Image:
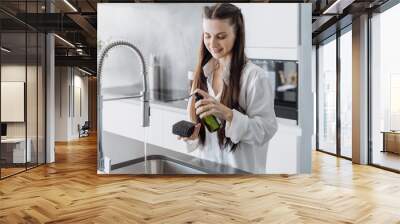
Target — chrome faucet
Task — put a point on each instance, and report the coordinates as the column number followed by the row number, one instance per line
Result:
column 144, row 94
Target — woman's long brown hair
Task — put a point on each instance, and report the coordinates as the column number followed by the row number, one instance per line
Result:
column 230, row 96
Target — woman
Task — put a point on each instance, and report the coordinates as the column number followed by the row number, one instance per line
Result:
column 235, row 91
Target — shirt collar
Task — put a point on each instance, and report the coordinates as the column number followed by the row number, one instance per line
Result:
column 209, row 68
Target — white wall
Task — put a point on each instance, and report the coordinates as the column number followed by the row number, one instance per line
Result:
column 174, row 39
column 79, row 117
column 61, row 103
column 12, row 73
column 67, row 116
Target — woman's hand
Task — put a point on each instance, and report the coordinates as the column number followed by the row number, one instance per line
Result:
column 194, row 135
column 209, row 106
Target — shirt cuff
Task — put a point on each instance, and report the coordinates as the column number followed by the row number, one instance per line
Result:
column 237, row 127
column 192, row 145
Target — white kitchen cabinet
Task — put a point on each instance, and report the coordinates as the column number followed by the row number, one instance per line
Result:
column 123, row 118
column 275, row 38
column 170, row 140
column 281, row 31
column 155, row 133
column 282, row 149
column 160, row 131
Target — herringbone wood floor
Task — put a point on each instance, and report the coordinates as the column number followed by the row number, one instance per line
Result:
column 69, row 191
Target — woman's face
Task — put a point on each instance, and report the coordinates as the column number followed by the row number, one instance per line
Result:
column 219, row 37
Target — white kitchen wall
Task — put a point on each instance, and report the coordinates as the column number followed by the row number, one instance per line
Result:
column 172, row 35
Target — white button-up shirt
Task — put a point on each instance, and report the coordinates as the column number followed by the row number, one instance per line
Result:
column 251, row 131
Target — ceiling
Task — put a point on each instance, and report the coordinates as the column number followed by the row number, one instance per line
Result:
column 76, row 22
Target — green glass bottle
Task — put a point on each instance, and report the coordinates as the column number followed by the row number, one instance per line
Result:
column 209, row 121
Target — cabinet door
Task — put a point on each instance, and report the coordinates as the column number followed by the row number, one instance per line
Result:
column 264, row 32
column 268, row 38
column 155, row 132
column 283, row 147
column 123, row 118
column 170, row 140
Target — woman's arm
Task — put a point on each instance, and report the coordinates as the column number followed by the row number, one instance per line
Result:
column 259, row 123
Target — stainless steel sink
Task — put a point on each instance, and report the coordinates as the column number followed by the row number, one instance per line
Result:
column 155, row 164
column 161, row 160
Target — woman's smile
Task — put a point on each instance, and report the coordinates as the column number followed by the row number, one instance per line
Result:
column 217, row 50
